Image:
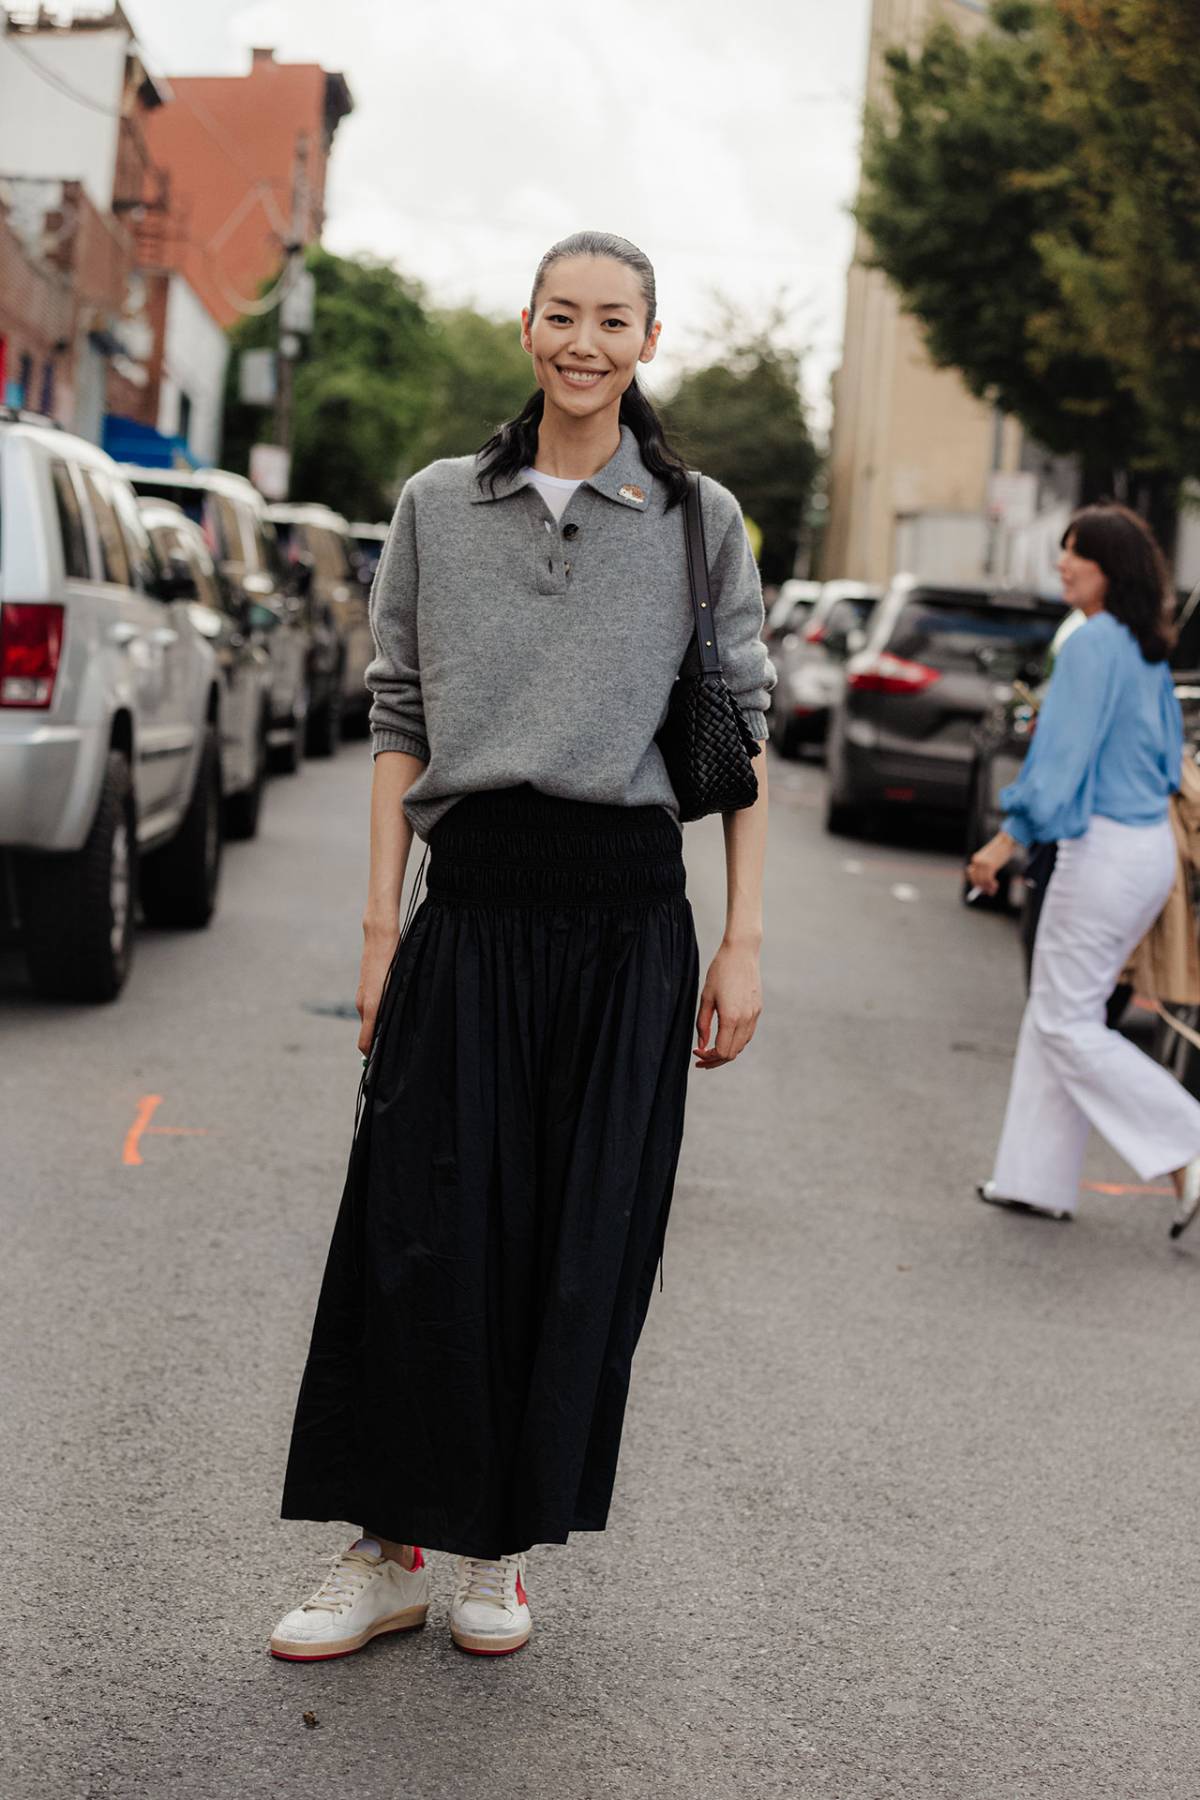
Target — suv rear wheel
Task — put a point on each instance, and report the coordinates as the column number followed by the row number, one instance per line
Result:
column 179, row 882
column 77, row 909
column 242, row 810
column 325, row 724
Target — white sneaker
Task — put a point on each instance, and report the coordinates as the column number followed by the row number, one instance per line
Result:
column 490, row 1614
column 1188, row 1204
column 363, row 1596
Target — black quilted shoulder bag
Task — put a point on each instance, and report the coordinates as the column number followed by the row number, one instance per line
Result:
column 704, row 739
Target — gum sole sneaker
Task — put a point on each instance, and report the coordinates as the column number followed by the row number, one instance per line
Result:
column 490, row 1614
column 363, row 1596
column 986, row 1191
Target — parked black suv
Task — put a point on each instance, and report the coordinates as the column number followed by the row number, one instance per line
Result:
column 937, row 658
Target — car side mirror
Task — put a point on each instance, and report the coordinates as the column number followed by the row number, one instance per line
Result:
column 257, row 586
column 856, row 640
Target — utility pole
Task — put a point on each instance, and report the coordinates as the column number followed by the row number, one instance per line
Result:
column 288, row 341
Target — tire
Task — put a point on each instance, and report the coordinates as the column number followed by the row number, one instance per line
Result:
column 842, row 820
column 325, row 725
column 243, row 810
column 77, row 909
column 285, row 759
column 179, row 882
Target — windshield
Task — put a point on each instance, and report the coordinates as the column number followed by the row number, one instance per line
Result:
column 962, row 634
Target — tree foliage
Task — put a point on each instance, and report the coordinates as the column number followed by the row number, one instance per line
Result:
column 362, row 387
column 741, row 419
column 1125, row 81
column 1035, row 196
column 480, row 377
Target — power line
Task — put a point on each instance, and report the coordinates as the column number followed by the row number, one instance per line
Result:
column 56, row 81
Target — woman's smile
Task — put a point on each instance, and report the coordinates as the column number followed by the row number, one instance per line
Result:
column 581, row 378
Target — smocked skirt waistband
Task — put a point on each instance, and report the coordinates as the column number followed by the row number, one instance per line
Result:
column 516, row 846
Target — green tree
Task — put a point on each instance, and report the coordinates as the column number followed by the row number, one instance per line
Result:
column 481, row 377
column 363, row 388
column 742, row 420
column 969, row 174
column 1124, row 81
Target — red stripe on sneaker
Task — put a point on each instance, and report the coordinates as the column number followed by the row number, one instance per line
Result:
column 521, row 1600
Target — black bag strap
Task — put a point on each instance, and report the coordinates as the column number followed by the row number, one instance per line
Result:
column 703, row 651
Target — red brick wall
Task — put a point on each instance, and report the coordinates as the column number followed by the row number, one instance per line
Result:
column 227, row 144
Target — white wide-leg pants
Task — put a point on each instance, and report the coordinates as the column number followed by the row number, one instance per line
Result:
column 1071, row 1072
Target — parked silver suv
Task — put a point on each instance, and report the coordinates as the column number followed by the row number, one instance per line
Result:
column 110, row 781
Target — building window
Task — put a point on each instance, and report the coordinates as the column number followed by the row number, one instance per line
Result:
column 46, row 400
column 185, row 418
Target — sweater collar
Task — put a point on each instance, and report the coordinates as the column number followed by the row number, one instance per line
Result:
column 624, row 478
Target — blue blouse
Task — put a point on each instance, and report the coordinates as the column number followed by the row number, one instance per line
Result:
column 1109, row 740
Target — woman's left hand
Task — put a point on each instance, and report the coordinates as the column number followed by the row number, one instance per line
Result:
column 733, row 991
column 985, row 867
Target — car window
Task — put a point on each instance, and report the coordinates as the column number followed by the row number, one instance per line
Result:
column 333, row 549
column 963, row 635
column 137, row 541
column 114, row 559
column 230, row 547
column 76, row 563
column 275, row 562
column 847, row 615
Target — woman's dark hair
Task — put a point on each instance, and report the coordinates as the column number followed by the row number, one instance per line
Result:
column 1139, row 583
column 514, row 446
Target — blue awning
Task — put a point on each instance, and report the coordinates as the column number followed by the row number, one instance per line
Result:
column 127, row 441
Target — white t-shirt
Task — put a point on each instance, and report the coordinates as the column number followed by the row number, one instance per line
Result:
column 555, row 490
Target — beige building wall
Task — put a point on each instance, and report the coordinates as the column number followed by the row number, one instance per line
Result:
column 907, row 438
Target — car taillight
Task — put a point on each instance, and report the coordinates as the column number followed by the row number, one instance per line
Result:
column 886, row 674
column 30, row 646
column 814, row 634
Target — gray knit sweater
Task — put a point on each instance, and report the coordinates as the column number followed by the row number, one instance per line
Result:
column 513, row 649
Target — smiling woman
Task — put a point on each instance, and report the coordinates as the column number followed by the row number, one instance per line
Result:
column 528, row 1037
column 587, row 340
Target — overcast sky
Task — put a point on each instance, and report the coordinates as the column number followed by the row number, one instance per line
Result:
column 721, row 135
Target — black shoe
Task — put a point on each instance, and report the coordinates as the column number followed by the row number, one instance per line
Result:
column 987, row 1193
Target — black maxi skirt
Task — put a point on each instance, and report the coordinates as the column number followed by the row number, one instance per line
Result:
column 509, row 1184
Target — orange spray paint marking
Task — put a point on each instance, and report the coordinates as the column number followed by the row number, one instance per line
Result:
column 141, row 1127
column 1119, row 1187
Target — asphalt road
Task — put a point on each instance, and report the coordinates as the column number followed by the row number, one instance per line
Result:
column 908, row 1493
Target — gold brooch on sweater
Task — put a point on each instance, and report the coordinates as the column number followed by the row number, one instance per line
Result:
column 631, row 492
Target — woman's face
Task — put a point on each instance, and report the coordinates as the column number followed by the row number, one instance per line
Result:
column 1085, row 584
column 588, row 334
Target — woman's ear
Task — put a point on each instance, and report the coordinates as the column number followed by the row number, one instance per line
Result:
column 650, row 347
column 526, row 322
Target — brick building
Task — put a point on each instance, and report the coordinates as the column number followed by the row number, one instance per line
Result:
column 243, row 154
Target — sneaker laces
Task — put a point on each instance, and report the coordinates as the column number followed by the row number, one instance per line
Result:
column 348, row 1575
column 492, row 1582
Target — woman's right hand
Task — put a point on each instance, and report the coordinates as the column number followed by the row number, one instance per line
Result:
column 378, row 951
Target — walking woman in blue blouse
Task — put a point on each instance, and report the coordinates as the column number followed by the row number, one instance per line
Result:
column 1104, row 762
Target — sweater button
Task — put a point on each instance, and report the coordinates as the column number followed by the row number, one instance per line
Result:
column 570, row 531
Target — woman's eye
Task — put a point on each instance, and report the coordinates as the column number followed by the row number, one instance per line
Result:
column 619, row 322
column 558, row 318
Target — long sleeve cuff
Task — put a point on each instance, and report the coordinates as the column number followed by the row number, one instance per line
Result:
column 757, row 723
column 399, row 740
column 1016, row 828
